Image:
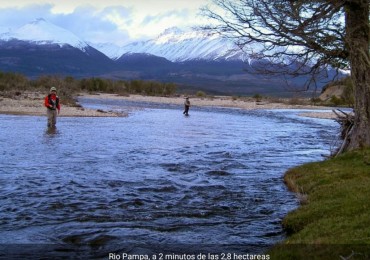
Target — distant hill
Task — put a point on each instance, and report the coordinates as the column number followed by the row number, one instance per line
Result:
column 34, row 60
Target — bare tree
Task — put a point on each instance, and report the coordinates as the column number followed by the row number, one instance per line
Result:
column 304, row 37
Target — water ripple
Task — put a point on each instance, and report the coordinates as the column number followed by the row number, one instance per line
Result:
column 154, row 177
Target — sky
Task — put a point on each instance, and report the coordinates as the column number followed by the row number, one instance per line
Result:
column 100, row 21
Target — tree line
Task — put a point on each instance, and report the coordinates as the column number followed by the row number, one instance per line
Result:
column 69, row 86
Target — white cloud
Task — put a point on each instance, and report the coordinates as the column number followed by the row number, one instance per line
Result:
column 117, row 21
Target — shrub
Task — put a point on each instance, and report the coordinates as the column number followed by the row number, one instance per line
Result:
column 201, row 94
column 334, row 100
column 68, row 86
column 315, row 100
column 347, row 95
column 257, row 97
column 12, row 81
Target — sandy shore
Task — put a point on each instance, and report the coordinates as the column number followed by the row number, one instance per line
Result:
column 248, row 104
column 32, row 104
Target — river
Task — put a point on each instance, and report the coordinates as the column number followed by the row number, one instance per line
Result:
column 155, row 180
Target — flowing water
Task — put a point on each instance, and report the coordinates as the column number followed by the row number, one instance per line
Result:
column 154, row 180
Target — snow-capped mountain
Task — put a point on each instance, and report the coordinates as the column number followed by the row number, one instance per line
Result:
column 42, row 32
column 173, row 44
column 177, row 45
column 111, row 50
column 190, row 58
column 41, row 47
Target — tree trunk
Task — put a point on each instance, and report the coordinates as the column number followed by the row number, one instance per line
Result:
column 357, row 40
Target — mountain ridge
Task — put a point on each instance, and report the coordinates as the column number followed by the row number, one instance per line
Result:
column 193, row 59
column 177, row 45
column 43, row 32
column 173, row 43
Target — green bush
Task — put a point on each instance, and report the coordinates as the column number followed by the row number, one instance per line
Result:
column 315, row 100
column 69, row 86
column 257, row 97
column 201, row 94
column 335, row 101
column 347, row 98
column 169, row 89
column 151, row 88
column 12, row 81
column 347, row 95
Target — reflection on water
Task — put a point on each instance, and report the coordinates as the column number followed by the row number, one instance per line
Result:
column 51, row 131
column 154, row 180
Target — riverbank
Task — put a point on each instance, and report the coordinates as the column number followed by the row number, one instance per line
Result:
column 31, row 103
column 333, row 219
column 222, row 101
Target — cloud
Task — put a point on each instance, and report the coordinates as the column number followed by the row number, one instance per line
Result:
column 86, row 22
column 174, row 14
column 15, row 17
column 93, row 25
column 115, row 21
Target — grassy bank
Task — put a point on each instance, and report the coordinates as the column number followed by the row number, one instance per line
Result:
column 334, row 217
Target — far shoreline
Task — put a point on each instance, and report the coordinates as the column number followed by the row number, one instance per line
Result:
column 220, row 101
column 31, row 104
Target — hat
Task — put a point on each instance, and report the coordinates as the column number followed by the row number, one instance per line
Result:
column 53, row 89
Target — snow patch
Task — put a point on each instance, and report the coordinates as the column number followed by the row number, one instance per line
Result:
column 41, row 32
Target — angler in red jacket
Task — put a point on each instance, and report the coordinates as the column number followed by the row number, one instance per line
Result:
column 53, row 107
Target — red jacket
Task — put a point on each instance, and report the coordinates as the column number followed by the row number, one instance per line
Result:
column 52, row 102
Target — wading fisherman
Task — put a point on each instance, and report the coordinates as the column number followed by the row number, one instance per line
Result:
column 53, row 106
column 187, row 106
